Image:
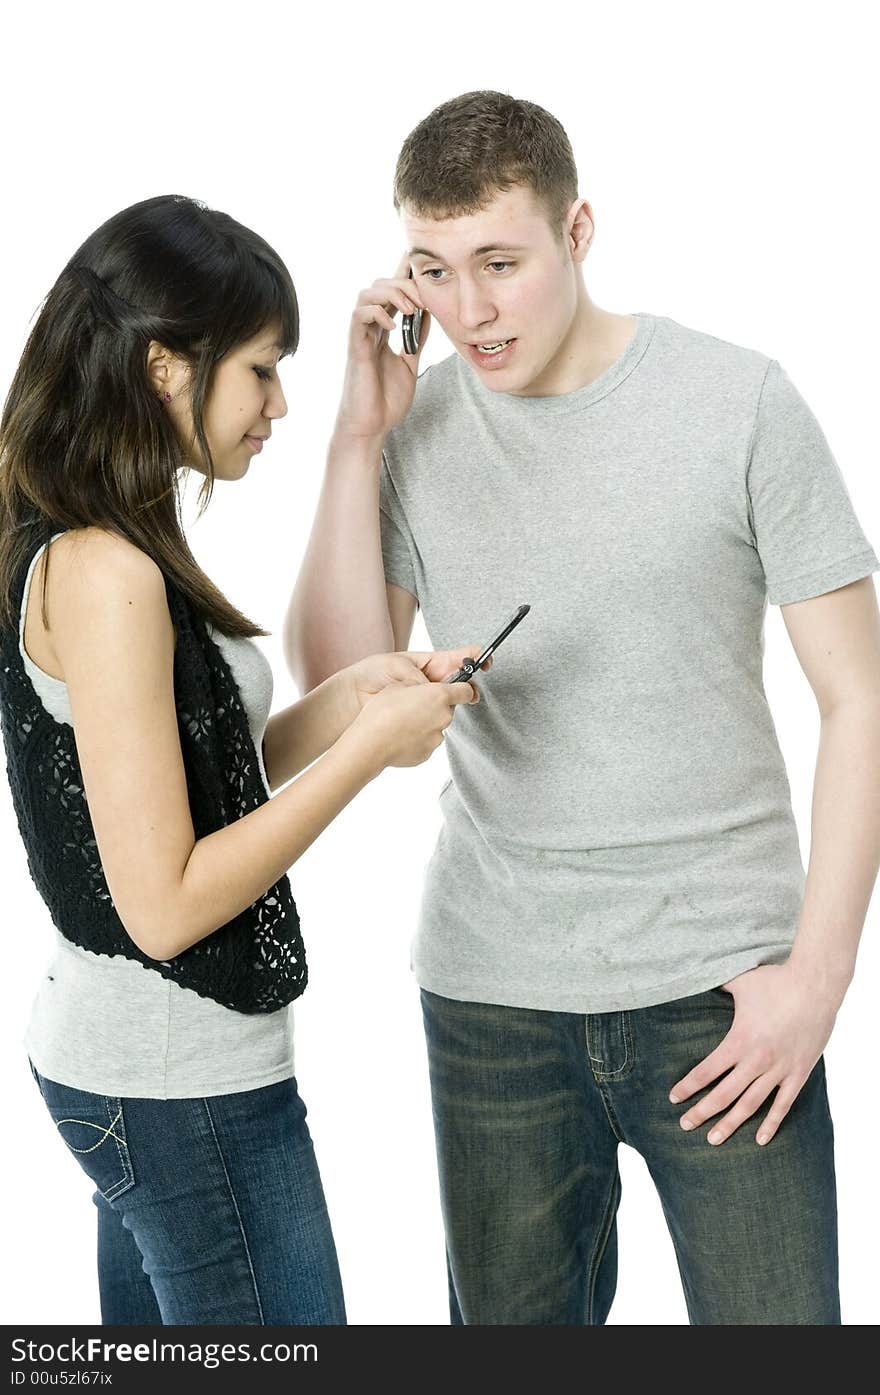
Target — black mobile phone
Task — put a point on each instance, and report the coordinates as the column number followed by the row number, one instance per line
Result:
column 469, row 666
column 411, row 326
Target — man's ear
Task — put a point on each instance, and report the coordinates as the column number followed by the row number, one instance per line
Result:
column 579, row 229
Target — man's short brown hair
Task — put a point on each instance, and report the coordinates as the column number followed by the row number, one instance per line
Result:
column 481, row 144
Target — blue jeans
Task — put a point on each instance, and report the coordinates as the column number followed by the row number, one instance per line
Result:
column 529, row 1110
column 210, row 1210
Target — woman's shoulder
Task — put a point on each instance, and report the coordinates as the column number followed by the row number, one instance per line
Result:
column 95, row 555
column 105, row 595
column 97, row 568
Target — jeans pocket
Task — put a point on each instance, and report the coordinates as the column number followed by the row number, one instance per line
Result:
column 93, row 1129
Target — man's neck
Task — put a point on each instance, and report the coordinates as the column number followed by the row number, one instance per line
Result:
column 597, row 338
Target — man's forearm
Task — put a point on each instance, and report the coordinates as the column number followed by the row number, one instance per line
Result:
column 338, row 612
column 844, row 846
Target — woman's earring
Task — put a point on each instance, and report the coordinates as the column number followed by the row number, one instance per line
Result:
column 166, row 396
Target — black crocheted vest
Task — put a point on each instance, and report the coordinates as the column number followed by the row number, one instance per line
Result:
column 255, row 963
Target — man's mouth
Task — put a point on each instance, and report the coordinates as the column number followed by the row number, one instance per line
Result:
column 494, row 348
column 493, row 354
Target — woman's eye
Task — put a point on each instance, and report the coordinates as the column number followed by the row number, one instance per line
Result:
column 263, row 373
column 433, row 273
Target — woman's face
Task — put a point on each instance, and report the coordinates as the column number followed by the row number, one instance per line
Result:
column 244, row 398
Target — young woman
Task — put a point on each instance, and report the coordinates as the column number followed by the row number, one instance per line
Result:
column 141, row 756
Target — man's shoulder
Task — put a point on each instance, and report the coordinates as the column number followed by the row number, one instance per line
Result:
column 698, row 352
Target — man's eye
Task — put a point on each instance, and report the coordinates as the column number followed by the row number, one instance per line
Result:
column 263, row 373
column 502, row 265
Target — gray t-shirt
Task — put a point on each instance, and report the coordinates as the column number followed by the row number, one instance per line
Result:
column 112, row 1026
column 618, row 827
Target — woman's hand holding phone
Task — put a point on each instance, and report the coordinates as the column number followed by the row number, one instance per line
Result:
column 405, row 722
column 379, row 384
column 369, row 676
column 401, row 707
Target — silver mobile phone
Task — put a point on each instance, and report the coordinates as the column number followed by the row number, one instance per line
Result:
column 411, row 325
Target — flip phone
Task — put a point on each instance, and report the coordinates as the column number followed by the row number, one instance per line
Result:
column 411, row 325
column 470, row 666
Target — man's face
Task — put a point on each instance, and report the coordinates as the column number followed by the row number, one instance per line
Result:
column 499, row 276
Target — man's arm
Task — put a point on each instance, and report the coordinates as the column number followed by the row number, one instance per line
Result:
column 402, row 607
column 340, row 610
column 784, row 1013
column 836, row 637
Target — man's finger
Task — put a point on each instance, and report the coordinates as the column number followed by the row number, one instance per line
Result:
column 785, row 1098
column 725, row 1093
column 753, row 1098
column 708, row 1070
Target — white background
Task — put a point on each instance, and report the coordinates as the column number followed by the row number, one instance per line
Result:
column 728, row 151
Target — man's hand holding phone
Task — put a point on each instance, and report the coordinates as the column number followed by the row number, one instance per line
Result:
column 379, row 384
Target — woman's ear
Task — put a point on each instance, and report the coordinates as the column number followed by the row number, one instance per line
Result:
column 159, row 369
column 166, row 371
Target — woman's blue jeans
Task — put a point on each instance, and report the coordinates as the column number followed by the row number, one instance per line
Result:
column 210, row 1210
column 530, row 1108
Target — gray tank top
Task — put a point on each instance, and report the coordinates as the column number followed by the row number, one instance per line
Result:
column 111, row 1026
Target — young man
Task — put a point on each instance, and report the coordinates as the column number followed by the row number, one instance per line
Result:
column 649, row 958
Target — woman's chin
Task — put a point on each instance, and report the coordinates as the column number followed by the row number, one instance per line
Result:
column 234, row 469
column 231, row 469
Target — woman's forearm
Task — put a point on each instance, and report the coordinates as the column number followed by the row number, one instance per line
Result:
column 229, row 870
column 299, row 734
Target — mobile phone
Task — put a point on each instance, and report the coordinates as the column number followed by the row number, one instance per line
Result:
column 412, row 328
column 469, row 666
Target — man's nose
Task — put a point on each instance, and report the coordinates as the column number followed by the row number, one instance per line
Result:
column 475, row 308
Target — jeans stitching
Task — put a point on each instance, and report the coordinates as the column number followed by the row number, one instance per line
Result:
column 627, row 1047
column 602, row 1243
column 237, row 1212
column 127, row 1179
column 87, row 1124
column 110, row 1103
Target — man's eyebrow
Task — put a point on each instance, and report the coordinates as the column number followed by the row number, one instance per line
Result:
column 477, row 252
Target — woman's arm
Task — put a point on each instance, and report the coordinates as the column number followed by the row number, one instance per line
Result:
column 114, row 638
column 297, row 735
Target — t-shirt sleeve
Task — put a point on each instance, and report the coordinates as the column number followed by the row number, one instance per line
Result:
column 396, row 546
column 804, row 526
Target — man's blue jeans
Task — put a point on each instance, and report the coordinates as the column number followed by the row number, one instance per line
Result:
column 529, row 1109
column 210, row 1210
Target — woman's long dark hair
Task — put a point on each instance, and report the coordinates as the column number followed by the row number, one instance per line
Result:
column 84, row 440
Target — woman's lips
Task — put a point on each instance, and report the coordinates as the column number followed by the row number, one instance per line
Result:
column 256, row 443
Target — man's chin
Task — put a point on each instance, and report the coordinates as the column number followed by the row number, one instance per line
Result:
column 495, row 379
